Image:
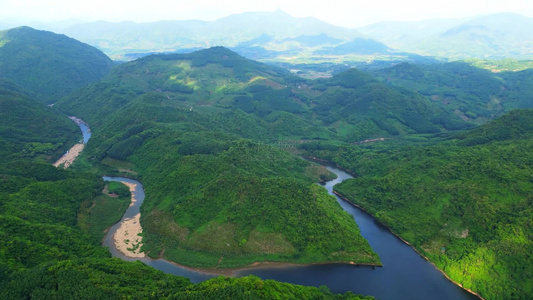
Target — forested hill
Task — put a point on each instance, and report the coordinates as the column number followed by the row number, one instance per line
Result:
column 52, row 222
column 30, row 130
column 466, row 203
column 473, row 93
column 219, row 191
column 217, row 81
column 48, row 64
column 357, row 106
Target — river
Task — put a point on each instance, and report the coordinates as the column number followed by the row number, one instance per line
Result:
column 404, row 275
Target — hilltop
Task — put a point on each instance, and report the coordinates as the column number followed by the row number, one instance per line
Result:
column 47, row 64
column 198, row 129
column 219, row 82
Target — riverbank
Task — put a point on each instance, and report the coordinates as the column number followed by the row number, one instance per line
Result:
column 404, row 272
column 68, row 158
column 128, row 238
column 409, row 244
column 235, row 272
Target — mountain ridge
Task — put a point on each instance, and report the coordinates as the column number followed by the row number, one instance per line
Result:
column 48, row 64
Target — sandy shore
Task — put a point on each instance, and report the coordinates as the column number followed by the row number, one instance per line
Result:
column 68, row 158
column 126, row 238
column 132, row 187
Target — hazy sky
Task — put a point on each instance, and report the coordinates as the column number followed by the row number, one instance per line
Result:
column 348, row 13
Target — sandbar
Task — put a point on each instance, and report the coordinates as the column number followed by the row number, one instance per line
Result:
column 127, row 239
column 68, row 158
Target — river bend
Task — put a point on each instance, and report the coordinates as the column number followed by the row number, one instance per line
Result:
column 404, row 275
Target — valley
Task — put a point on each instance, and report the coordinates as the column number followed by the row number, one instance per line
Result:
column 210, row 144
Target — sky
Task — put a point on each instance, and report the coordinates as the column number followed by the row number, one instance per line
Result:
column 347, row 13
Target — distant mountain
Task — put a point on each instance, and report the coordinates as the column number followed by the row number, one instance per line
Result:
column 315, row 40
column 399, row 34
column 48, row 64
column 357, row 46
column 493, row 36
column 278, row 24
column 167, row 36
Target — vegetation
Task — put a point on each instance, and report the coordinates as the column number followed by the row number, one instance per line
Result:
column 28, row 129
column 214, row 199
column 226, row 86
column 116, row 279
column 46, row 213
column 465, row 203
column 474, row 94
column 248, row 203
column 359, row 107
column 49, row 65
column 97, row 215
column 213, row 135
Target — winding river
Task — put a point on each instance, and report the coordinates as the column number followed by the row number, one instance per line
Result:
column 404, row 275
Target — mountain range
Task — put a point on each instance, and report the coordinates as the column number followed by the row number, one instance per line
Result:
column 497, row 36
column 205, row 132
column 282, row 37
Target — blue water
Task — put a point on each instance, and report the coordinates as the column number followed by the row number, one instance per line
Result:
column 85, row 131
column 159, row 264
column 404, row 275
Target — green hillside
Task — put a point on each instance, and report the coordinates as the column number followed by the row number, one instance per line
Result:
column 241, row 203
column 217, row 81
column 29, row 129
column 358, row 107
column 48, row 64
column 45, row 254
column 214, row 138
column 211, row 194
column 51, row 244
column 465, row 203
column 474, row 94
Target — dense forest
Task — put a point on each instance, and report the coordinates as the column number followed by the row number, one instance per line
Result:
column 215, row 139
column 465, row 202
column 475, row 94
column 52, row 222
column 219, row 193
column 47, row 64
